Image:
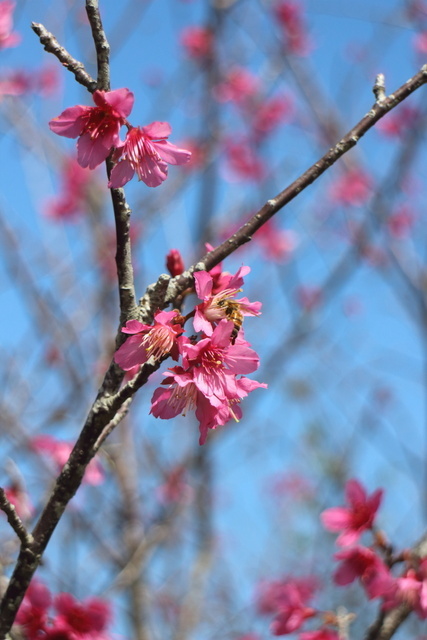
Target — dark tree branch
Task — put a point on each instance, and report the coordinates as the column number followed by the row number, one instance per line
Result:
column 101, row 45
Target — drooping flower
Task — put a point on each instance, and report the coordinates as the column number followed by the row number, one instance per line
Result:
column 147, row 153
column 357, row 517
column 147, row 341
column 97, row 128
column 8, row 37
column 182, row 395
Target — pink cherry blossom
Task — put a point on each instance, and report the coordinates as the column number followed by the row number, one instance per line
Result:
column 278, row 244
column 351, row 188
column 363, row 563
column 357, row 517
column 72, row 199
column 8, row 38
column 401, row 222
column 147, row 341
column 175, row 263
column 147, row 153
column 238, row 86
column 213, row 359
column 183, row 395
column 175, row 489
column 83, row 618
column 197, row 41
column 97, row 128
column 59, row 452
column 33, row 612
column 214, row 306
column 289, row 600
column 289, row 15
column 243, row 162
column 270, row 114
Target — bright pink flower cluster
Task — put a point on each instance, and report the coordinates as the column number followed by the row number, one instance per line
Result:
column 211, row 379
column 73, row 620
column 365, row 564
column 145, row 150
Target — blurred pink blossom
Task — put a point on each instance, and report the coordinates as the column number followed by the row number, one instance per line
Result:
column 59, row 452
column 197, row 41
column 272, row 113
column 351, row 188
column 238, row 86
column 278, row 244
column 355, row 518
column 289, row 15
column 401, row 222
column 363, row 563
column 8, row 38
column 243, row 162
column 20, row 500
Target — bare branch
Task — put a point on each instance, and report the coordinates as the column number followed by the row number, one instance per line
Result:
column 51, row 45
column 14, row 520
column 101, row 45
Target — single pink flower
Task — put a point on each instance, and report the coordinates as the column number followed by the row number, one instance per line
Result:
column 278, row 244
column 147, row 341
column 197, row 42
column 72, row 199
column 238, row 86
column 8, row 38
column 213, row 359
column 357, row 517
column 363, row 563
column 147, row 153
column 97, row 128
column 352, row 188
column 272, row 113
column 309, row 297
column 59, row 452
column 175, row 263
column 175, row 489
column 289, row 599
column 33, row 612
column 84, row 618
column 401, row 222
column 243, row 162
column 289, row 15
column 221, row 305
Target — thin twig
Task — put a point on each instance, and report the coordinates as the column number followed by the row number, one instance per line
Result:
column 51, row 45
column 101, row 45
column 14, row 520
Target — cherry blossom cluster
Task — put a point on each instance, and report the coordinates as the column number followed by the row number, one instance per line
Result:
column 144, row 151
column 290, row 599
column 372, row 565
column 211, row 377
column 70, row 619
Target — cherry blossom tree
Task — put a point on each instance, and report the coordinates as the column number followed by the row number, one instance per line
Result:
column 277, row 369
